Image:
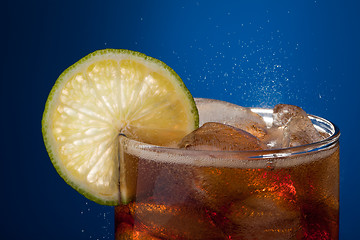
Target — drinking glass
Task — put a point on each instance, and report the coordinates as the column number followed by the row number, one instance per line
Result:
column 289, row 193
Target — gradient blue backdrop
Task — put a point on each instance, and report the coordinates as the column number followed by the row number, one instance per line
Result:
column 253, row 53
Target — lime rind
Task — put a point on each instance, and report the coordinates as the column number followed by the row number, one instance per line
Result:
column 52, row 102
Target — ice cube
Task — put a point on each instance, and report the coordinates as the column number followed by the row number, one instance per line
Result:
column 292, row 127
column 282, row 113
column 300, row 131
column 175, row 222
column 274, row 138
column 212, row 186
column 220, row 137
column 263, row 216
column 231, row 114
column 216, row 187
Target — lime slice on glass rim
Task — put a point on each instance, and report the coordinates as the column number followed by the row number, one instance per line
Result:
column 105, row 94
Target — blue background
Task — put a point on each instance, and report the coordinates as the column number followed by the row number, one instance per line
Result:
column 253, row 53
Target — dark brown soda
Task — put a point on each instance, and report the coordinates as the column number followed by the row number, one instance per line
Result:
column 282, row 201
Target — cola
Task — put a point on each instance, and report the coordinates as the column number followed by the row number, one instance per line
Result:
column 246, row 173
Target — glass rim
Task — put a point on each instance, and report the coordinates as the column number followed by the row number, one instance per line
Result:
column 253, row 154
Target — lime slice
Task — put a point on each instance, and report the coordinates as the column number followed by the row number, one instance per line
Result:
column 105, row 94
